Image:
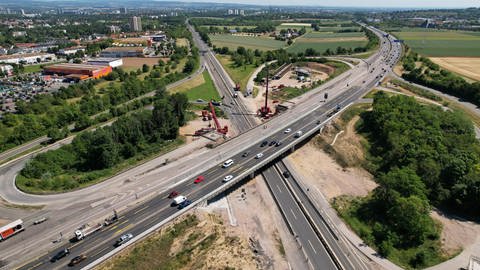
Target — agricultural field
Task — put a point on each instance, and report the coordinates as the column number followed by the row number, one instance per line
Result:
column 285, row 26
column 321, row 41
column 441, row 43
column 233, row 42
column 230, row 26
column 463, row 66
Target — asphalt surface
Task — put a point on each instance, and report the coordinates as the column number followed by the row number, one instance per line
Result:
column 158, row 209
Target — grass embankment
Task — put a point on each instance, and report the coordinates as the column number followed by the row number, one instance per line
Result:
column 85, row 179
column 200, row 87
column 238, row 74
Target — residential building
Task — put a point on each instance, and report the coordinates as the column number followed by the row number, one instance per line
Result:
column 136, row 24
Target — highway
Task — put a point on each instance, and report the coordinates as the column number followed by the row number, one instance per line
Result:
column 308, row 117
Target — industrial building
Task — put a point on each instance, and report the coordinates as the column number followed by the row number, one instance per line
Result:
column 78, row 72
column 119, row 52
column 27, row 58
column 71, row 50
column 113, row 62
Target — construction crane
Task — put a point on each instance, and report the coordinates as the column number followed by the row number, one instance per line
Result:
column 265, row 111
column 213, row 116
column 223, row 130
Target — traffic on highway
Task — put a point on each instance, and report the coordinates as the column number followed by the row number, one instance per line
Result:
column 283, row 137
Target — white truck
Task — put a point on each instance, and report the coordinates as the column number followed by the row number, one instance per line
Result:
column 86, row 231
column 178, row 200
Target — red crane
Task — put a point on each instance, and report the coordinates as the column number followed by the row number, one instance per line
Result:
column 223, row 130
column 265, row 111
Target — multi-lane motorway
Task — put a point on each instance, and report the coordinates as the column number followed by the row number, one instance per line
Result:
column 308, row 117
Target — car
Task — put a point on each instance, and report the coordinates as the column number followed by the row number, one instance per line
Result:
column 272, row 143
column 264, row 143
column 286, row 174
column 227, row 163
column 77, row 260
column 245, row 154
column 62, row 253
column 199, row 179
column 40, row 220
column 173, row 194
column 288, row 130
column 184, row 204
column 228, row 178
column 123, row 239
column 259, row 155
column 318, row 122
column 278, row 144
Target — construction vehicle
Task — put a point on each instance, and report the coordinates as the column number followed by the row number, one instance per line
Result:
column 265, row 111
column 86, row 231
column 11, row 229
column 217, row 127
column 110, row 220
column 236, row 87
column 206, row 115
column 223, row 130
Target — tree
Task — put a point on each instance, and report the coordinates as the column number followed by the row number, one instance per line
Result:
column 145, row 68
column 189, row 66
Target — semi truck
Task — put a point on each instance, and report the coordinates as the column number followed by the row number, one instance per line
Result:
column 86, row 231
column 11, row 229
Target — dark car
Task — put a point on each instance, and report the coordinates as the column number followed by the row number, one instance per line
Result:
column 172, row 194
column 184, row 204
column 278, row 144
column 77, row 260
column 245, row 154
column 62, row 253
column 286, row 174
column 272, row 143
column 264, row 143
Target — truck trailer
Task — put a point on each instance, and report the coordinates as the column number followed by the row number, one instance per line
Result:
column 82, row 233
column 11, row 229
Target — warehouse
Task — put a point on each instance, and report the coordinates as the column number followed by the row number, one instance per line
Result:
column 113, row 62
column 27, row 58
column 78, row 71
column 116, row 52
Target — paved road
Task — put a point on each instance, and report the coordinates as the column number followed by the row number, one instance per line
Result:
column 310, row 244
column 312, row 111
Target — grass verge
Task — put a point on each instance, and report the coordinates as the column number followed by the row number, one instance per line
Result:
column 238, row 74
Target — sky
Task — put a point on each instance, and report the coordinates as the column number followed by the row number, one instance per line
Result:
column 361, row 3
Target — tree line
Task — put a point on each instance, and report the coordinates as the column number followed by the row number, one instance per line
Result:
column 90, row 152
column 420, row 156
column 431, row 75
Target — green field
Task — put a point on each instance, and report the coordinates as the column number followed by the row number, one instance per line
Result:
column 334, row 35
column 238, row 74
column 205, row 91
column 441, row 43
column 230, row 26
column 298, row 27
column 301, row 46
column 233, row 42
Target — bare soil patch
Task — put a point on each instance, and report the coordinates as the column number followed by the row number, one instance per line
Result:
column 189, row 129
column 456, row 233
column 322, row 170
column 137, row 62
column 465, row 66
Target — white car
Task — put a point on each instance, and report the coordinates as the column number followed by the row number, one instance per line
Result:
column 259, row 155
column 227, row 178
column 287, row 130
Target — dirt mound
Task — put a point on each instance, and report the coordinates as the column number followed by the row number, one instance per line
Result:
column 321, row 67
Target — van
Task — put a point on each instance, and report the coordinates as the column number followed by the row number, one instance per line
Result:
column 298, row 134
column 179, row 199
column 227, row 163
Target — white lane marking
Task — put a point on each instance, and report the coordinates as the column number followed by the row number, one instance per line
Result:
column 312, row 246
column 293, row 213
column 279, row 189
